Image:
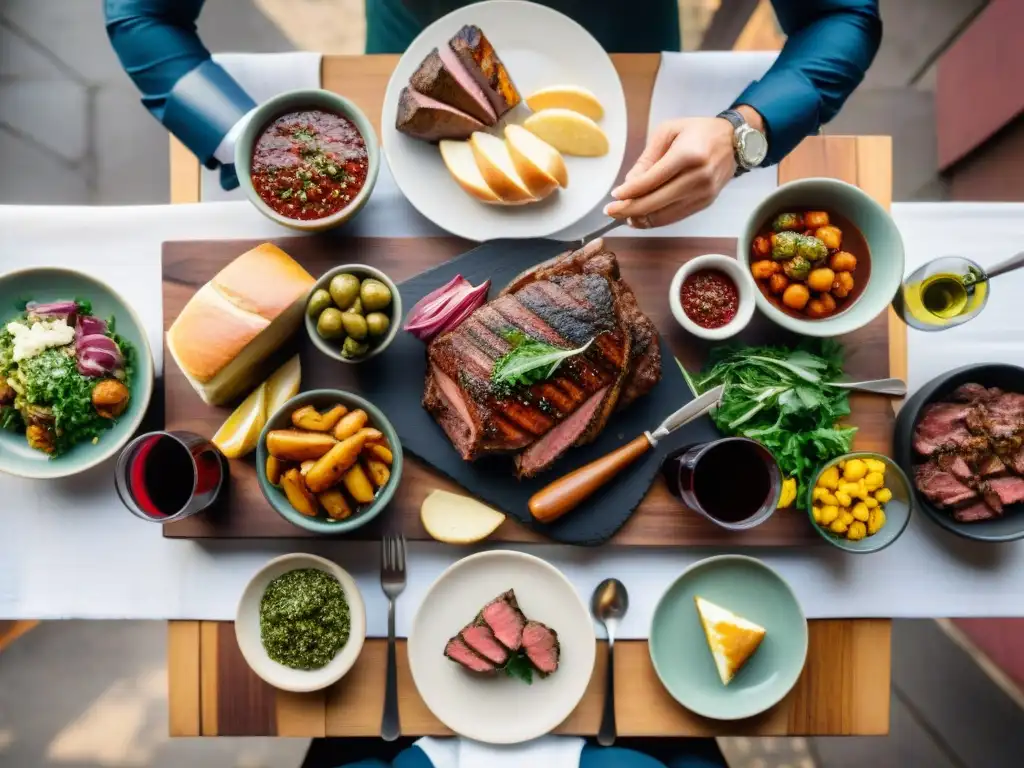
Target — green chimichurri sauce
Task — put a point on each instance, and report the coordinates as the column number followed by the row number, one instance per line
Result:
column 304, row 619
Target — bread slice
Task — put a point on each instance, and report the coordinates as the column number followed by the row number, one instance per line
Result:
column 229, row 328
column 499, row 172
column 731, row 638
column 539, row 164
column 458, row 157
column 569, row 132
column 573, row 97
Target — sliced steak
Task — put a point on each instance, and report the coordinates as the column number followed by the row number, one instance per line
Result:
column 484, row 65
column 1010, row 489
column 479, row 637
column 541, row 645
column 990, row 465
column 956, row 466
column 942, row 425
column 543, row 453
column 974, row 513
column 941, row 487
column 443, row 77
column 428, row 119
column 1005, row 415
column 972, row 393
column 1017, row 462
column 457, row 650
column 505, row 620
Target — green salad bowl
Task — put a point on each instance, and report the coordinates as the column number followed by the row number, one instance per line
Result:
column 322, row 399
column 46, row 284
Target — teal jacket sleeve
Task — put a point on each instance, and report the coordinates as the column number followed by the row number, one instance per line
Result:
column 829, row 47
column 181, row 86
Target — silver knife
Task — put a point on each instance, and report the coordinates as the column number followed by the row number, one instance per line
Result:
column 601, row 231
column 564, row 494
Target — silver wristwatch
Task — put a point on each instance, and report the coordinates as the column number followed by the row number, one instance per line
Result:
column 749, row 145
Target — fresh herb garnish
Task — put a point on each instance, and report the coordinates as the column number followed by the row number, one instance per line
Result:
column 11, row 420
column 529, row 361
column 84, row 306
column 519, row 667
column 779, row 397
column 303, row 134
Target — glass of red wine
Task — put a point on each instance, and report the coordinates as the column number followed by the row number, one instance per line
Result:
column 167, row 476
column 734, row 482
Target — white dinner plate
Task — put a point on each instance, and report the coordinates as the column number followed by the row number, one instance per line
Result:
column 540, row 47
column 496, row 708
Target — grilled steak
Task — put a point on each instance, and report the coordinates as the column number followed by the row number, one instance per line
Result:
column 942, row 425
column 443, row 76
column 423, row 117
column 565, row 302
column 503, row 617
column 541, row 645
column 941, row 487
column 1010, row 489
column 480, row 639
column 974, row 513
column 482, row 62
column 462, row 654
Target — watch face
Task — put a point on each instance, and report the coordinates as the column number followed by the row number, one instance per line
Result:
column 753, row 148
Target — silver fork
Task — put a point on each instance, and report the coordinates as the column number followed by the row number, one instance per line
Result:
column 392, row 581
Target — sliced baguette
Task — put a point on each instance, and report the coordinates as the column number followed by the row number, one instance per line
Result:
column 499, row 172
column 462, row 165
column 572, row 97
column 569, row 132
column 539, row 164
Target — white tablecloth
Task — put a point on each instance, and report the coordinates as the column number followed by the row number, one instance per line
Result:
column 68, row 548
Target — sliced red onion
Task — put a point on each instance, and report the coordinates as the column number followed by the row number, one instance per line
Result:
column 96, row 340
column 88, row 367
column 108, row 360
column 445, row 308
column 52, row 309
column 89, row 325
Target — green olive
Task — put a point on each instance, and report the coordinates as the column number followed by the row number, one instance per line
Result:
column 375, row 295
column 355, row 325
column 377, row 324
column 331, row 323
column 357, row 307
column 352, row 348
column 344, row 289
column 318, row 302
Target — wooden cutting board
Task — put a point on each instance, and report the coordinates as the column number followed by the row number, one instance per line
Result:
column 647, row 264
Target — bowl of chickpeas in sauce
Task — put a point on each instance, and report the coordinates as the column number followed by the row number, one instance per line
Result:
column 826, row 258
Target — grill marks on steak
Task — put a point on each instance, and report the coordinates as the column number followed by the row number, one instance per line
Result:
column 973, row 446
column 565, row 302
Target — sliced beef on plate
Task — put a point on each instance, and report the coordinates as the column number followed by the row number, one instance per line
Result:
column 442, row 76
column 973, row 513
column 990, row 465
column 548, row 448
column 428, row 119
column 941, row 425
column 973, row 393
column 1016, row 461
column 1010, row 489
column 541, row 645
column 482, row 62
column 457, row 650
column 941, row 487
column 505, row 620
column 991, row 498
column 479, row 637
column 956, row 466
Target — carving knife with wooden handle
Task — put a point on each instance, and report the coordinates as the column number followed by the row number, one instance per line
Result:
column 566, row 493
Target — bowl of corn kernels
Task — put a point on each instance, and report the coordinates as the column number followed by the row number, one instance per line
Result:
column 860, row 502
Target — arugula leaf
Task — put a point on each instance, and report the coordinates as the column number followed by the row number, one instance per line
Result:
column 529, row 361
column 10, row 419
column 519, row 667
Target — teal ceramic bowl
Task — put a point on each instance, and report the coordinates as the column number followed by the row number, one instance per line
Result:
column 292, row 101
column 322, row 399
column 873, row 221
column 897, row 509
column 679, row 649
column 46, row 284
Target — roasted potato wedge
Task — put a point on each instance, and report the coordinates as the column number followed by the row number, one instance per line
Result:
column 307, row 465
column 350, row 424
column 378, row 471
column 274, row 470
column 358, row 484
column 378, row 452
column 332, row 465
column 298, row 495
column 334, row 501
column 371, row 435
column 298, row 446
column 310, row 419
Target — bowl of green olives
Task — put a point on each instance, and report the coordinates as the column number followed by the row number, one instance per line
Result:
column 353, row 312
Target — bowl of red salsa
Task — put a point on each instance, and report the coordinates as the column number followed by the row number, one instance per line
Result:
column 712, row 296
column 308, row 159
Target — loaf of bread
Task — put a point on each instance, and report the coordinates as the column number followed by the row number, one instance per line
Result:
column 237, row 320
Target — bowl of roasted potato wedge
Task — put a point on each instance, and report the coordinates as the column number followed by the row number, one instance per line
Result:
column 328, row 461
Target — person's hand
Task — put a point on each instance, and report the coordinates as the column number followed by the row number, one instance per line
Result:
column 685, row 165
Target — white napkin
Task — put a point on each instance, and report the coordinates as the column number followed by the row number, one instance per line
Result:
column 262, row 76
column 547, row 751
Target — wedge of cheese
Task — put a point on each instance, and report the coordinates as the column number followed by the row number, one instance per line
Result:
column 731, row 638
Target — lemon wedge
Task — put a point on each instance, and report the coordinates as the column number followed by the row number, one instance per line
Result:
column 240, row 433
column 283, row 385
column 456, row 519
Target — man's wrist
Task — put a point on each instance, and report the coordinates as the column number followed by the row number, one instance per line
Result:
column 752, row 116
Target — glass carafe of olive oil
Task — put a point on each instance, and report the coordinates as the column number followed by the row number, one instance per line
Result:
column 942, row 294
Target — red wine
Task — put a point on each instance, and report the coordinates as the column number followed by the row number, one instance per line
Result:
column 162, row 476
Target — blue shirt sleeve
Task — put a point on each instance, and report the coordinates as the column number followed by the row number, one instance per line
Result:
column 829, row 47
column 181, row 86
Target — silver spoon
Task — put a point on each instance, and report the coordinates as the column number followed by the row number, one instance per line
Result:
column 609, row 604
column 892, row 387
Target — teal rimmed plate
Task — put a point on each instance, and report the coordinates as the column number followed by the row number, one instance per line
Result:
column 45, row 284
column 680, row 651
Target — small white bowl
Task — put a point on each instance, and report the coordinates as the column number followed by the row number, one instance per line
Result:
column 744, row 285
column 247, row 627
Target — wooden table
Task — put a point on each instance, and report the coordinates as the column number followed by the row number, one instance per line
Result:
column 844, row 689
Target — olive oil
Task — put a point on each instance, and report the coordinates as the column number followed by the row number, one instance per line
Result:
column 941, row 300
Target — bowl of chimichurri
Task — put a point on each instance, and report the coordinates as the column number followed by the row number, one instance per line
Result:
column 301, row 622
column 307, row 159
